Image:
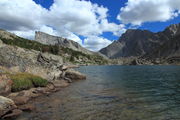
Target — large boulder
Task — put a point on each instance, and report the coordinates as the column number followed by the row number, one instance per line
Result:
column 24, row 96
column 6, row 105
column 74, row 75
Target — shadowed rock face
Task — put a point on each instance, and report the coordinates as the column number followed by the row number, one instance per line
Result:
column 170, row 49
column 140, row 42
column 47, row 39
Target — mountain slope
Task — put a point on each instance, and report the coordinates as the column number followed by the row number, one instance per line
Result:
column 69, row 55
column 135, row 43
column 169, row 49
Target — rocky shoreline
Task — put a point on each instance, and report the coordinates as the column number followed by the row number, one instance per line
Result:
column 16, row 61
column 12, row 104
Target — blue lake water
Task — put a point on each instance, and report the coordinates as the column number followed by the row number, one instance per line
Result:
column 115, row 93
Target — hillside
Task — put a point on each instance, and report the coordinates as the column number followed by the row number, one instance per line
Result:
column 69, row 55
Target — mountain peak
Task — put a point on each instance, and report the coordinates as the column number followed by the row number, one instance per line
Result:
column 136, row 42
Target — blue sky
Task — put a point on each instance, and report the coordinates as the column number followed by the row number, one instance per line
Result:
column 94, row 24
column 114, row 8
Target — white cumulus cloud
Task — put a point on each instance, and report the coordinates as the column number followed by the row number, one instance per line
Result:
column 20, row 15
column 66, row 18
column 96, row 43
column 137, row 12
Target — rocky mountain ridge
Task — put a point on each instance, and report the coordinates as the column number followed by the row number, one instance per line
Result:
column 145, row 44
column 47, row 39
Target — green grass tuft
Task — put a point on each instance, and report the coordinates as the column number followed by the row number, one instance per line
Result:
column 24, row 81
column 21, row 82
column 38, row 81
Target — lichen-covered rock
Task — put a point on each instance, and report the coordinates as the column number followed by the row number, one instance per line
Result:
column 6, row 105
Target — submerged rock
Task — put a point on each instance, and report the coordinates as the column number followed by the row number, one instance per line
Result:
column 27, row 107
column 60, row 83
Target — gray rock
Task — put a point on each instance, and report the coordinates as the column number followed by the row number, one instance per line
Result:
column 6, row 105
column 24, row 60
column 47, row 39
column 74, row 75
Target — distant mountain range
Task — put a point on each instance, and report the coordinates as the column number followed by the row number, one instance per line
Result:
column 145, row 44
column 134, row 47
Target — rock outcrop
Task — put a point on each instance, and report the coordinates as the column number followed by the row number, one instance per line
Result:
column 31, row 61
column 138, row 43
column 47, row 39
